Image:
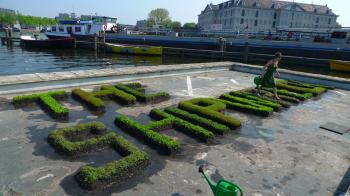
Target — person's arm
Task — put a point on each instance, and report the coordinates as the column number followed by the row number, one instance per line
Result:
column 265, row 68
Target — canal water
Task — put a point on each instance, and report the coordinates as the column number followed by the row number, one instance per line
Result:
column 17, row 60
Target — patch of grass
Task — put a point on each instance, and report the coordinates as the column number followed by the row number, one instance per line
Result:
column 306, row 85
column 244, row 105
column 61, row 139
column 55, row 109
column 142, row 97
column 186, row 127
column 197, row 120
column 119, row 96
column 258, row 100
column 316, row 91
column 284, row 92
column 88, row 99
column 116, row 172
column 268, row 97
column 162, row 143
column 47, row 101
column 210, row 108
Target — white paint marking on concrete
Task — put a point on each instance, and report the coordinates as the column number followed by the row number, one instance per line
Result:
column 4, row 139
column 44, row 177
column 189, row 86
column 201, row 156
column 340, row 93
column 234, row 82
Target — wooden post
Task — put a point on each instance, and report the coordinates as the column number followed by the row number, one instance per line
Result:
column 246, row 52
column 10, row 36
column 6, row 36
column 95, row 42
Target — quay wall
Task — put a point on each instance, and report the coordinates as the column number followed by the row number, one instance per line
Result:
column 289, row 48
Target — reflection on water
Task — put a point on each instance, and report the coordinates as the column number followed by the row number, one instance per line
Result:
column 17, row 60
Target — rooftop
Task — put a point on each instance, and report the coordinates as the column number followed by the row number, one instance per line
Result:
column 273, row 4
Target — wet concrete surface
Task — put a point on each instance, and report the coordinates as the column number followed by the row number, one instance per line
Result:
column 284, row 154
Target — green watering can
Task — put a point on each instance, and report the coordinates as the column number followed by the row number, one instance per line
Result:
column 258, row 80
column 223, row 187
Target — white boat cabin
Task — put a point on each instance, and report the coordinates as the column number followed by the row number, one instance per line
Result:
column 83, row 28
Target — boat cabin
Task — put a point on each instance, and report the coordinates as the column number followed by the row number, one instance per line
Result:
column 68, row 28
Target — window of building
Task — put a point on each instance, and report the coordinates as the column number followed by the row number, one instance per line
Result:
column 77, row 29
column 274, row 15
column 256, row 14
column 225, row 22
column 231, row 12
column 242, row 21
column 61, row 29
column 243, row 12
column 329, row 21
column 230, row 21
column 256, row 23
column 317, row 20
column 53, row 29
column 274, row 24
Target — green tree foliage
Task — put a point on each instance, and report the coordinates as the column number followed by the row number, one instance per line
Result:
column 190, row 25
column 159, row 15
column 7, row 18
column 12, row 18
column 176, row 24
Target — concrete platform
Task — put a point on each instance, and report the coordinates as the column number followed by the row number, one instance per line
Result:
column 285, row 154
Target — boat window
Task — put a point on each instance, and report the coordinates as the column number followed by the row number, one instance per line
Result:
column 339, row 35
column 69, row 29
column 53, row 28
column 77, row 29
column 61, row 29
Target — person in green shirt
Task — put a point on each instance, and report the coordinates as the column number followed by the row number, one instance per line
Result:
column 267, row 77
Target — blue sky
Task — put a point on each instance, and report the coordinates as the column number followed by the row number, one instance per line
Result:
column 128, row 11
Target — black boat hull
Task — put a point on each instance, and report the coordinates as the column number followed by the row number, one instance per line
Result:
column 61, row 43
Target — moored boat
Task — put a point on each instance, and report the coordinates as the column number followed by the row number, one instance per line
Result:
column 60, row 43
column 337, row 65
column 135, row 50
column 82, row 30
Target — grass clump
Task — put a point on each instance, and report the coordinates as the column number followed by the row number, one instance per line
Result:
column 286, row 93
column 258, row 100
column 306, row 85
column 142, row 97
column 47, row 101
column 210, row 108
column 162, row 143
column 316, row 91
column 197, row 120
column 88, row 99
column 244, row 105
column 116, row 172
column 186, row 127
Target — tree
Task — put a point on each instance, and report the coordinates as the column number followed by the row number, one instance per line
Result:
column 159, row 16
column 190, row 25
column 338, row 25
column 176, row 24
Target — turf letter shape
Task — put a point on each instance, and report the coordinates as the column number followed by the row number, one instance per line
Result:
column 94, row 99
column 47, row 101
column 210, row 108
column 83, row 138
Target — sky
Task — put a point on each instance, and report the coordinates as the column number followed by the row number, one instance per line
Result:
column 129, row 11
